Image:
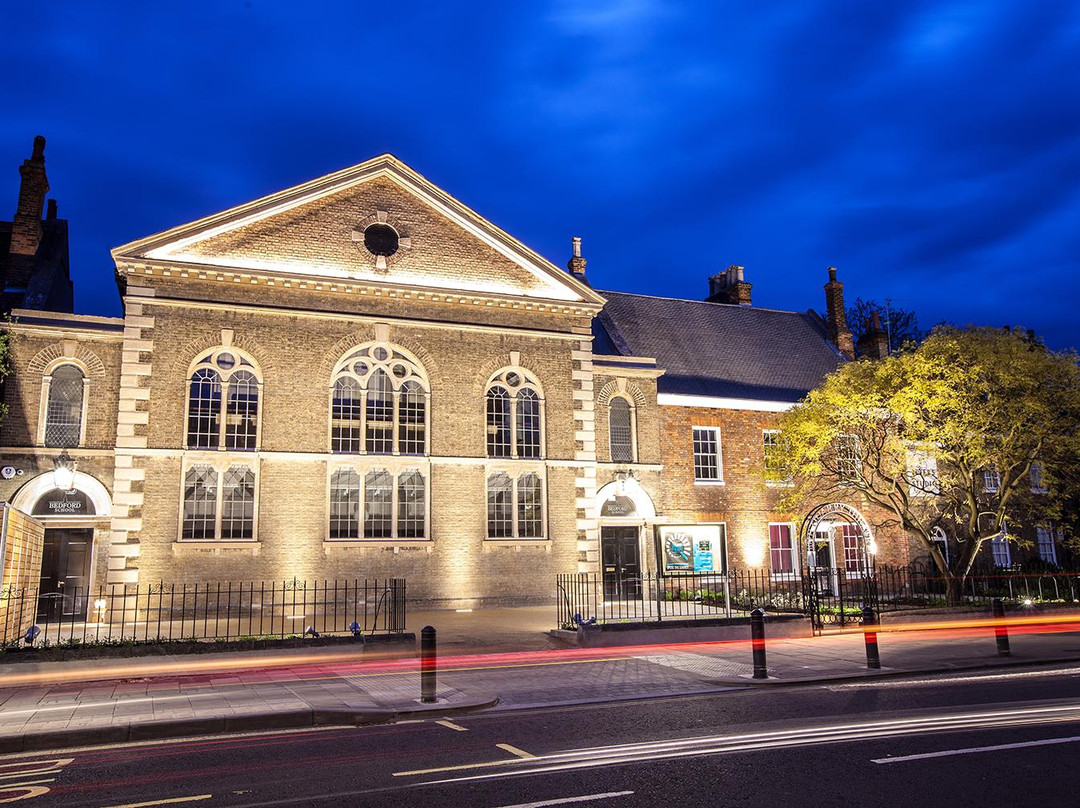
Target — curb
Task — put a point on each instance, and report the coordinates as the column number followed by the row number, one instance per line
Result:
column 883, row 673
column 312, row 716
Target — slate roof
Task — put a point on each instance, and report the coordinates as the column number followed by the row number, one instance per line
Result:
column 718, row 349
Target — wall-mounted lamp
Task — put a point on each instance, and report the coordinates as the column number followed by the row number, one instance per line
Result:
column 622, row 479
column 64, row 472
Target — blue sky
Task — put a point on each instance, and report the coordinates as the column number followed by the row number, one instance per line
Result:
column 930, row 150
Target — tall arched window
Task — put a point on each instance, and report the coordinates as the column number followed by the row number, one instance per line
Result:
column 621, row 431
column 376, row 505
column 515, row 415
column 64, row 407
column 379, row 403
column 223, row 374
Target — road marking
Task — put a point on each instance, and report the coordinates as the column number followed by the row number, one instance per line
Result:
column 170, row 801
column 513, row 750
column 451, row 725
column 973, row 749
column 568, row 800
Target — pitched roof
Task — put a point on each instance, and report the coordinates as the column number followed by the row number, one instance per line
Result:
column 717, row 349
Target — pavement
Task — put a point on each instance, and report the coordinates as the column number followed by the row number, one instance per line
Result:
column 493, row 659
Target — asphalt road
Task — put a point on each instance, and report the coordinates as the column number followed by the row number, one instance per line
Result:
column 1005, row 737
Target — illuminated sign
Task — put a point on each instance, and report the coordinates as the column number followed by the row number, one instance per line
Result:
column 689, row 549
column 63, row 503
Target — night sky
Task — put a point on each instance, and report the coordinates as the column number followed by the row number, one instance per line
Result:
column 931, row 151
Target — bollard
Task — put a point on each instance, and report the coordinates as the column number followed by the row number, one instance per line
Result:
column 869, row 620
column 427, row 665
column 757, row 641
column 1001, row 631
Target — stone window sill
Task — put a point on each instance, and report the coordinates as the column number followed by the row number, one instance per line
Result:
column 709, row 482
column 214, row 547
column 517, row 544
column 331, row 546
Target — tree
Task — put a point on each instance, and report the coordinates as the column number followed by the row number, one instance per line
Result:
column 901, row 325
column 917, row 433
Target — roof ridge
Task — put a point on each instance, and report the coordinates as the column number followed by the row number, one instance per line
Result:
column 734, row 306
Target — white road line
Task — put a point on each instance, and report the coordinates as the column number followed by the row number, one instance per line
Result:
column 170, row 801
column 973, row 749
column 567, row 800
column 513, row 750
column 451, row 725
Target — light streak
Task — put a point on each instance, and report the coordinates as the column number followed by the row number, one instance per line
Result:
column 971, row 750
column 567, row 800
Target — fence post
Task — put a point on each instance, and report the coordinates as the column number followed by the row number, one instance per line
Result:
column 869, row 620
column 1001, row 631
column 427, row 665
column 757, row 641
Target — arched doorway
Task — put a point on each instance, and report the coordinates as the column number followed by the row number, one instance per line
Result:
column 67, row 558
column 836, row 543
column 624, row 509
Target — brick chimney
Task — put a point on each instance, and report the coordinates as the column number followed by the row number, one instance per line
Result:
column 835, row 321
column 729, row 286
column 874, row 343
column 26, row 226
column 576, row 264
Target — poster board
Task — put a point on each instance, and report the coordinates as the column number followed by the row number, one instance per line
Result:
column 692, row 549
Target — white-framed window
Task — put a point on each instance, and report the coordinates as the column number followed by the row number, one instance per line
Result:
column 773, row 448
column 854, row 548
column 991, row 481
column 223, row 375
column 1037, row 479
column 379, row 402
column 783, row 554
column 515, row 505
column 621, row 430
column 219, row 503
column 1045, row 545
column 848, row 459
column 514, row 406
column 377, row 503
column 64, row 392
column 999, row 549
column 708, row 465
column 941, row 539
column 922, row 474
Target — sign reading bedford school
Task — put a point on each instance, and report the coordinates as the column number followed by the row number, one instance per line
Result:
column 63, row 503
column 689, row 549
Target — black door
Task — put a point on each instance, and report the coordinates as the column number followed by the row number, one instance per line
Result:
column 65, row 574
column 622, row 563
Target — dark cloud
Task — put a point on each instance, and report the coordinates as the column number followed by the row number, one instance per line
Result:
column 929, row 149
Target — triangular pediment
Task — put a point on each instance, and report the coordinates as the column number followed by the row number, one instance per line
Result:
column 317, row 230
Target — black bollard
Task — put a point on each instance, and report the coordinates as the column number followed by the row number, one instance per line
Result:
column 427, row 665
column 757, row 641
column 1001, row 631
column 869, row 621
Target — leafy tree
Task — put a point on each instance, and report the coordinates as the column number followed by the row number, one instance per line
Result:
column 901, row 325
column 916, row 433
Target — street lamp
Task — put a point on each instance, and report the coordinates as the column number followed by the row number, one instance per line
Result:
column 64, row 472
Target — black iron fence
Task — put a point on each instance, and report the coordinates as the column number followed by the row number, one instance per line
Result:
column 220, row 611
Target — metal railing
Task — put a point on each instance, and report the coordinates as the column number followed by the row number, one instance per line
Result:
column 164, row 612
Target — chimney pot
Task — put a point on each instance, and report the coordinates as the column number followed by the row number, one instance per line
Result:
column 39, row 148
column 51, row 210
column 576, row 264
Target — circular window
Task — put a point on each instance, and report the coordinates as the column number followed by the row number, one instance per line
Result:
column 360, row 368
column 226, row 361
column 401, row 371
column 381, row 239
column 513, row 379
column 381, row 354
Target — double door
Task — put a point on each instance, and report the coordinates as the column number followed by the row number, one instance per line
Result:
column 620, row 554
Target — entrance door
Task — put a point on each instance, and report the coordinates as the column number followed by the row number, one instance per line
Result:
column 65, row 574
column 821, row 560
column 621, row 557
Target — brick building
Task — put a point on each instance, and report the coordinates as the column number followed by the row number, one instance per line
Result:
column 361, row 377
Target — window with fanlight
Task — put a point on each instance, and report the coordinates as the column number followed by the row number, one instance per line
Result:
column 515, row 415
column 224, row 390
column 379, row 401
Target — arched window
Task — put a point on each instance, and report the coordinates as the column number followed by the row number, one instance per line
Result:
column 392, row 508
column 223, row 374
column 515, row 415
column 379, row 403
column 64, row 407
column 515, row 507
column 621, row 430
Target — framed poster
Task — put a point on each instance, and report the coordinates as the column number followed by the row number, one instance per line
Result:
column 691, row 549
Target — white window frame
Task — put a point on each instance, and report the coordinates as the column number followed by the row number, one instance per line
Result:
column 1044, row 538
column 855, row 460
column 208, row 359
column 43, row 405
column 396, row 468
column 719, row 455
column 221, row 465
column 1037, row 479
column 991, row 481
column 527, row 381
column 941, row 538
column 515, row 472
column 793, row 551
column 633, row 428
column 1000, row 550
column 788, row 481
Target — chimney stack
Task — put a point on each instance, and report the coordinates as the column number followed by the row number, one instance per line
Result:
column 835, row 320
column 874, row 343
column 730, row 287
column 576, row 264
column 26, row 226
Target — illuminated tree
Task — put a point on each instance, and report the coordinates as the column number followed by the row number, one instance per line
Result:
column 943, row 436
